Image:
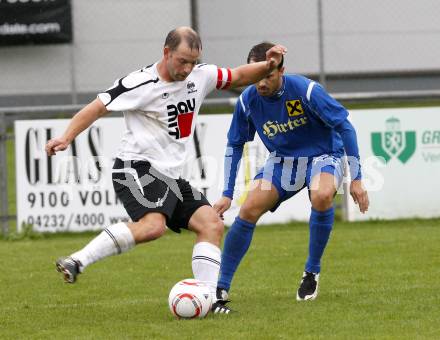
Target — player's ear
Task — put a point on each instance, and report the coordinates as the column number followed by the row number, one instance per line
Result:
column 281, row 70
column 166, row 52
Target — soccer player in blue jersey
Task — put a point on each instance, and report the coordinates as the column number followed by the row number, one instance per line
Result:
column 306, row 132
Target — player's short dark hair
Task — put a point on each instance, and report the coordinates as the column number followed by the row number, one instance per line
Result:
column 175, row 37
column 258, row 53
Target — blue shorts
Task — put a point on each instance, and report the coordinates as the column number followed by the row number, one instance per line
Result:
column 291, row 175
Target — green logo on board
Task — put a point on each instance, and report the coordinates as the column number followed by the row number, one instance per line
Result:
column 394, row 142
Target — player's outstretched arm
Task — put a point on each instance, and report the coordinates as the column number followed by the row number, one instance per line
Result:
column 81, row 121
column 251, row 73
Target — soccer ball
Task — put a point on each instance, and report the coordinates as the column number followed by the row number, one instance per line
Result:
column 190, row 299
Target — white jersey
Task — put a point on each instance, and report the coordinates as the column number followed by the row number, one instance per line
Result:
column 160, row 116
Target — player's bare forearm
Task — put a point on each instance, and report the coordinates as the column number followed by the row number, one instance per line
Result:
column 84, row 118
column 81, row 121
column 251, row 73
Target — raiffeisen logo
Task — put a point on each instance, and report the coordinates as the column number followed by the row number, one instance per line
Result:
column 393, row 143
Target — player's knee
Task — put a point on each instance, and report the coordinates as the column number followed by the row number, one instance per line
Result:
column 158, row 230
column 250, row 213
column 217, row 228
column 322, row 199
column 212, row 230
column 214, row 226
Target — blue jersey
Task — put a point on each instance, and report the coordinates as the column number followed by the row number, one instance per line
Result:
column 300, row 120
column 296, row 122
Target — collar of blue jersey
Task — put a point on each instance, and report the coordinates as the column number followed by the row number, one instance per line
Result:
column 277, row 95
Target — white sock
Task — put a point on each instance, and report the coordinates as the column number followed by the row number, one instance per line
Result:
column 206, row 259
column 116, row 239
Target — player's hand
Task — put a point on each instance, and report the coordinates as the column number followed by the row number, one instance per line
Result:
column 222, row 205
column 56, row 144
column 275, row 55
column 360, row 195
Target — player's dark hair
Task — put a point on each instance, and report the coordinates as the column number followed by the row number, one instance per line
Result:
column 191, row 37
column 258, row 53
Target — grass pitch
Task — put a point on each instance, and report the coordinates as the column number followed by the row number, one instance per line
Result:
column 379, row 281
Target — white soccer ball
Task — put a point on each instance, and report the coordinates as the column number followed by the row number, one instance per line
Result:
column 190, row 299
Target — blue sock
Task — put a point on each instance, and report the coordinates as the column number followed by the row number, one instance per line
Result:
column 321, row 223
column 237, row 242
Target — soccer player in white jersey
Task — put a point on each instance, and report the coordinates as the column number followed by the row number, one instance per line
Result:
column 160, row 103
